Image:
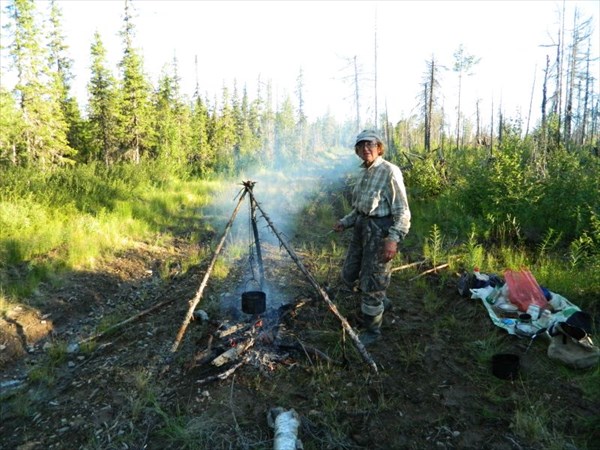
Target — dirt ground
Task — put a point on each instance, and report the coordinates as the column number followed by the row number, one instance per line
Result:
column 434, row 387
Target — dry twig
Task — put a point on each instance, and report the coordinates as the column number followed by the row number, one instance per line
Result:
column 435, row 269
column 408, row 266
column 124, row 322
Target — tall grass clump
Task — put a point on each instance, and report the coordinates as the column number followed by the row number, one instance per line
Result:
column 68, row 218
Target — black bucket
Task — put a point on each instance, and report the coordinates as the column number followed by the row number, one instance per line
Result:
column 505, row 366
column 254, row 302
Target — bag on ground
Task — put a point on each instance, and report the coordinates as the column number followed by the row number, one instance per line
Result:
column 571, row 344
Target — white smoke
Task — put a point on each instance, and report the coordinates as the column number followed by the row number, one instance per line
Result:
column 282, row 194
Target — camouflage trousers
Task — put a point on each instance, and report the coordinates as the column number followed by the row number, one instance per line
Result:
column 364, row 263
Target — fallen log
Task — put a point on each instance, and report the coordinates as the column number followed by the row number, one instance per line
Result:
column 332, row 307
column 198, row 296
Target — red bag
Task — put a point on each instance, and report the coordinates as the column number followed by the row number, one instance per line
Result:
column 524, row 290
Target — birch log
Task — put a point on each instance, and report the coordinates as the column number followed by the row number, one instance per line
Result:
column 285, row 426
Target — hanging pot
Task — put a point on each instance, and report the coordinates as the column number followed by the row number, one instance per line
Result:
column 254, row 302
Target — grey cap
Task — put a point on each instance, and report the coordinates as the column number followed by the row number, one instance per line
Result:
column 367, row 135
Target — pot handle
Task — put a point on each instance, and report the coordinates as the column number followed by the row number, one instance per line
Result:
column 255, row 282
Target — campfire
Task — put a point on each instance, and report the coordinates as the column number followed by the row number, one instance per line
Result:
column 235, row 344
column 259, row 340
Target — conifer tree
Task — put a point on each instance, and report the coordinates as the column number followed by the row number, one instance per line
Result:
column 249, row 134
column 267, row 125
column 102, row 107
column 201, row 156
column 238, row 119
column 285, row 132
column 170, row 118
column 429, row 99
column 10, row 128
column 44, row 139
column 463, row 64
column 223, row 136
column 62, row 75
column 302, row 120
column 135, row 128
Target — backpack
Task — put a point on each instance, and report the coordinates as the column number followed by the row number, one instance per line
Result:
column 571, row 344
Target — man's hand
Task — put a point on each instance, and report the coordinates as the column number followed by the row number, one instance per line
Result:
column 338, row 226
column 390, row 248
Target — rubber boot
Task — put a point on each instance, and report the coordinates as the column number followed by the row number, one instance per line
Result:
column 387, row 304
column 372, row 329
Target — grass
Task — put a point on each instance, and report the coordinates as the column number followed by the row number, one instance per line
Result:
column 47, row 230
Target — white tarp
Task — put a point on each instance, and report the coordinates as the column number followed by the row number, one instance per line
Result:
column 564, row 309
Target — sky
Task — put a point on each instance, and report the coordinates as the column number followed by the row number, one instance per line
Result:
column 248, row 41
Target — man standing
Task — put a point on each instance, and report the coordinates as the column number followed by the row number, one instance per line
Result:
column 381, row 219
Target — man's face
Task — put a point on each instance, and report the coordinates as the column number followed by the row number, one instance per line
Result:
column 368, row 151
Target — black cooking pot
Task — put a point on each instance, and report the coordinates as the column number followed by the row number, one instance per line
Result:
column 254, row 302
column 505, row 366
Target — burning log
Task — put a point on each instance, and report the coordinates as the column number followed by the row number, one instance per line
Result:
column 332, row 307
column 200, row 291
column 232, row 329
column 233, row 353
column 223, row 375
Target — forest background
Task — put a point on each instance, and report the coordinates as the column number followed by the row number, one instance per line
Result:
column 71, row 179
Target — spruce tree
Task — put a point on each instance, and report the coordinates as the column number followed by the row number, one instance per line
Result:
column 267, row 125
column 249, row 134
column 285, row 132
column 102, row 107
column 62, row 75
column 172, row 119
column 201, row 156
column 223, row 137
column 136, row 121
column 11, row 125
column 44, row 131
